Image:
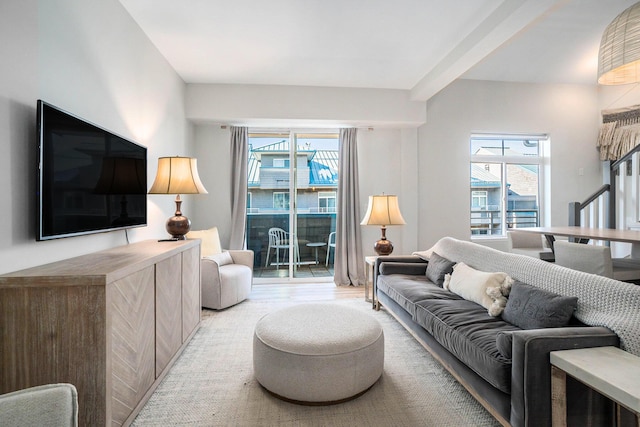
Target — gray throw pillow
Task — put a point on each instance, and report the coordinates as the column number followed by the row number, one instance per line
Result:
column 437, row 267
column 529, row 307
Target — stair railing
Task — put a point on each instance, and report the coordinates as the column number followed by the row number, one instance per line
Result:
column 599, row 210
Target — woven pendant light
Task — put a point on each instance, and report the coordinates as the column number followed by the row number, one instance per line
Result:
column 619, row 56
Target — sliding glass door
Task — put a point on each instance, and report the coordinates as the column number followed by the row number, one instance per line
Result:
column 291, row 205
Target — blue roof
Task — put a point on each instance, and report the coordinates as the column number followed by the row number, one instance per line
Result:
column 323, row 164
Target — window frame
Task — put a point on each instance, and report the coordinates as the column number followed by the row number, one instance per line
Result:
column 327, row 195
column 540, row 160
column 286, row 200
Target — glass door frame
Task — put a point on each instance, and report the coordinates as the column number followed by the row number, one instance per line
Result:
column 293, row 135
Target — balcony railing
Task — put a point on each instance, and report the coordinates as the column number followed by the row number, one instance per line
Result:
column 489, row 222
column 313, row 227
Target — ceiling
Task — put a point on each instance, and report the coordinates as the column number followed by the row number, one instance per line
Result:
column 416, row 45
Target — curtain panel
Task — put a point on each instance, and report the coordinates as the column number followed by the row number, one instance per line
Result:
column 349, row 260
column 239, row 162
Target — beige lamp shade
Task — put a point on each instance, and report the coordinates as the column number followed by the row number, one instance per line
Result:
column 619, row 55
column 383, row 210
column 177, row 175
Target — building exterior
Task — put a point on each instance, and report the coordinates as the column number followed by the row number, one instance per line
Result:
column 269, row 200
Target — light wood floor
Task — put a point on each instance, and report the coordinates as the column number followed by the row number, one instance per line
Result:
column 304, row 291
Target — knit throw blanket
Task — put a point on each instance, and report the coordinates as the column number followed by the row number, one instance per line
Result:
column 601, row 301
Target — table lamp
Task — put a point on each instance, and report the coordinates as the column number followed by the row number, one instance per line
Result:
column 177, row 175
column 383, row 210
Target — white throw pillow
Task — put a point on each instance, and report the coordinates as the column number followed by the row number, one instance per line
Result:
column 222, row 258
column 210, row 241
column 484, row 288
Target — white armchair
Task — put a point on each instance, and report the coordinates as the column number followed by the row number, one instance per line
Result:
column 226, row 277
column 45, row 405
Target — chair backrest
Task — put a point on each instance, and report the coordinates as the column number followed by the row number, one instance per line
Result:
column 277, row 236
column 524, row 240
column 50, row 404
column 588, row 258
column 332, row 239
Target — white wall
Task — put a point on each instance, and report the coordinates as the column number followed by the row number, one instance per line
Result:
column 213, row 150
column 91, row 59
column 301, row 106
column 568, row 113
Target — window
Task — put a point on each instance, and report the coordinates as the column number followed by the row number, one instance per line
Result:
column 281, row 201
column 281, row 163
column 479, row 200
column 326, row 201
column 505, row 182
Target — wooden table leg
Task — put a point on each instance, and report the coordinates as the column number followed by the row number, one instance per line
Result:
column 558, row 397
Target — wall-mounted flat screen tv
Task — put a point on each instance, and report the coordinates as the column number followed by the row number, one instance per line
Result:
column 89, row 180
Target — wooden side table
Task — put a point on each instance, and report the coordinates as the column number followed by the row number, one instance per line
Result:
column 608, row 370
column 369, row 265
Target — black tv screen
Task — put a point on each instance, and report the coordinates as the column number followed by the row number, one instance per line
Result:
column 89, row 180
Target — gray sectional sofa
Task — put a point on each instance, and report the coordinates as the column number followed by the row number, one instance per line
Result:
column 505, row 366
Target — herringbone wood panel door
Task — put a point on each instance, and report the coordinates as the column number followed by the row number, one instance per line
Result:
column 132, row 341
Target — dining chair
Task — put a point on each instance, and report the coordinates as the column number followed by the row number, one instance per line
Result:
column 596, row 259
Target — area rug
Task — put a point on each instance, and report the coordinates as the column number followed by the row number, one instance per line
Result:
column 212, row 383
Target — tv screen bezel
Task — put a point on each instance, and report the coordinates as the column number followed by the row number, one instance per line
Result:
column 41, row 132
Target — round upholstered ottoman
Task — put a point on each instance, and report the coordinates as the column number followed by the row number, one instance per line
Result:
column 318, row 353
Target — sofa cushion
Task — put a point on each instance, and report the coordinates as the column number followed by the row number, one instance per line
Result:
column 484, row 288
column 464, row 329
column 437, row 268
column 530, row 307
column 406, row 290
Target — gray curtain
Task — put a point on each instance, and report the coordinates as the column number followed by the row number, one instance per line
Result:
column 239, row 159
column 349, row 260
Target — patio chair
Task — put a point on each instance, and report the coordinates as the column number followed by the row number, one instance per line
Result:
column 279, row 240
column 331, row 243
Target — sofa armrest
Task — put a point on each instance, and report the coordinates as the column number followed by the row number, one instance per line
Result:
column 531, row 369
column 209, row 270
column 413, row 268
column 244, row 257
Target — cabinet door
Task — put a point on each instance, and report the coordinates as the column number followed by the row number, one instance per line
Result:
column 168, row 310
column 132, row 341
column 191, row 305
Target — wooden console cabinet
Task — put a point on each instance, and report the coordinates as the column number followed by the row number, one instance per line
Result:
column 111, row 323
